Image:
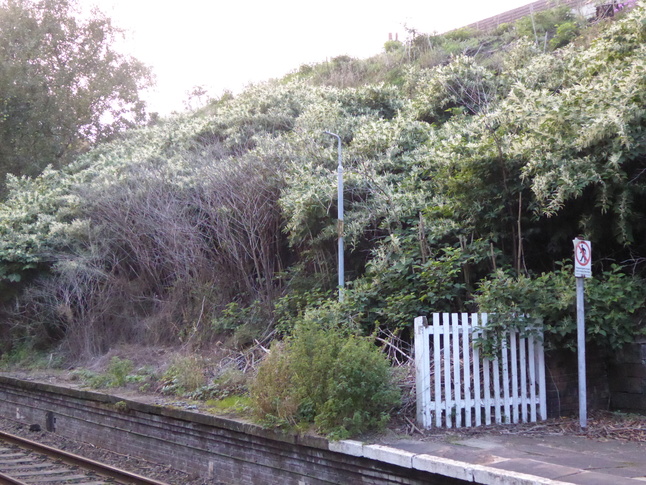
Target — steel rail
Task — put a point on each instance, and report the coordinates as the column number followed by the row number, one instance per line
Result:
column 7, row 480
column 122, row 476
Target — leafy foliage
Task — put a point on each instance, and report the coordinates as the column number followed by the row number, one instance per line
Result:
column 63, row 85
column 612, row 304
column 117, row 374
column 326, row 376
column 558, row 26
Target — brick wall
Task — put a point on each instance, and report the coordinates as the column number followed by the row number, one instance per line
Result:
column 614, row 381
column 219, row 449
column 627, row 372
column 562, row 382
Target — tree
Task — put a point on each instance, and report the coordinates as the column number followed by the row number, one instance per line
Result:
column 62, row 85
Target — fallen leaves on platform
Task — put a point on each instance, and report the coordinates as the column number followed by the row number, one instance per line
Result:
column 601, row 426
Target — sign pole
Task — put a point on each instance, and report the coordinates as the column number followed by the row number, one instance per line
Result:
column 580, row 333
column 582, row 270
column 340, row 216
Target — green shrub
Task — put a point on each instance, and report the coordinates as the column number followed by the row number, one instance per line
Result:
column 393, row 46
column 116, row 375
column 359, row 391
column 25, row 356
column 327, row 376
column 537, row 24
column 612, row 301
column 565, row 33
column 118, row 371
column 243, row 323
column 503, row 28
column 463, row 33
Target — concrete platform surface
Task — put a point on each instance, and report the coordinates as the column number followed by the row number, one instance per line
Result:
column 563, row 458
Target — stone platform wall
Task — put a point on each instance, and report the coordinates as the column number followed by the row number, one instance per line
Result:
column 221, row 450
column 627, row 377
column 562, row 382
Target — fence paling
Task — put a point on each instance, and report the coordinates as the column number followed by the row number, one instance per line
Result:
column 467, row 369
column 422, row 375
column 523, row 378
column 505, row 381
column 514, row 380
column 465, row 386
column 437, row 364
column 455, row 340
column 476, row 381
column 446, row 337
column 487, row 380
column 532, row 384
column 542, row 393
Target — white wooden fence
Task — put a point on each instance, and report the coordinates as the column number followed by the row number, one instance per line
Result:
column 458, row 387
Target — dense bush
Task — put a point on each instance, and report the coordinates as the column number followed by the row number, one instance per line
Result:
column 612, row 307
column 328, row 377
column 557, row 24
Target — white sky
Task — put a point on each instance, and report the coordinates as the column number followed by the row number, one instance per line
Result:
column 228, row 44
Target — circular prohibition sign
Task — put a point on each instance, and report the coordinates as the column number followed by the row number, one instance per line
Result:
column 582, row 253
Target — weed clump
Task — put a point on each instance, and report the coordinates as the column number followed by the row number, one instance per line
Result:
column 117, row 374
column 185, row 375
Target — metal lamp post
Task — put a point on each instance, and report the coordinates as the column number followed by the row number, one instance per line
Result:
column 340, row 216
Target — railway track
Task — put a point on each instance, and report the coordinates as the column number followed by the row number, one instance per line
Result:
column 25, row 462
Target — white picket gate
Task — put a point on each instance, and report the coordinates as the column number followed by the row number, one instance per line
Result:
column 460, row 388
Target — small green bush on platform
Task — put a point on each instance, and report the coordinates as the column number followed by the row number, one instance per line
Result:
column 328, row 377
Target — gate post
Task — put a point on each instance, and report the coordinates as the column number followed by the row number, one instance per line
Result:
column 422, row 372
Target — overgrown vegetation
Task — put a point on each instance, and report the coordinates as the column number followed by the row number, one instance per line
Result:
column 327, row 376
column 471, row 162
column 613, row 300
